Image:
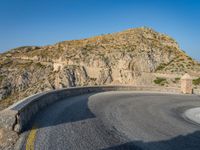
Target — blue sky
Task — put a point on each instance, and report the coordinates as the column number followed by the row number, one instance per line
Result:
column 44, row 22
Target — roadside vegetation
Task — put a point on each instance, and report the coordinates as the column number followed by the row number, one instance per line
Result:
column 160, row 81
column 196, row 81
column 176, row 80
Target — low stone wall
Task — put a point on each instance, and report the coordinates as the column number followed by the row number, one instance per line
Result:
column 196, row 91
column 17, row 116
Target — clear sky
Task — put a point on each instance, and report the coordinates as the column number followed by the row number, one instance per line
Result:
column 43, row 22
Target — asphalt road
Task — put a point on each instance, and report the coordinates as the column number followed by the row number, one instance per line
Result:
column 116, row 121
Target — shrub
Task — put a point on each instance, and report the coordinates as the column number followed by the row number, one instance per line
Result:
column 160, row 81
column 190, row 58
column 161, row 66
column 196, row 81
column 177, row 79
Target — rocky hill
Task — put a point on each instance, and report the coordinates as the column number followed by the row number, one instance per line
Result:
column 139, row 56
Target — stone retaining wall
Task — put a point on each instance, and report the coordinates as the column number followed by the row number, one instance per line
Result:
column 196, row 91
column 17, row 116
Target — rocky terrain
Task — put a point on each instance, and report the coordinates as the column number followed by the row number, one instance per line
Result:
column 139, row 56
column 7, row 139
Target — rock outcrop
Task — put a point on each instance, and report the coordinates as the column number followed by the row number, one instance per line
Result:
column 135, row 56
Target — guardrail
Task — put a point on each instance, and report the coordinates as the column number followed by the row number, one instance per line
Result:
column 17, row 116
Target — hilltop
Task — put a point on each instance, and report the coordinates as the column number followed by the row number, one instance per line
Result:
column 139, row 56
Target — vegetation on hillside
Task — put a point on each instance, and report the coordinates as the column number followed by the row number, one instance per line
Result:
column 160, row 81
column 196, row 81
column 122, row 58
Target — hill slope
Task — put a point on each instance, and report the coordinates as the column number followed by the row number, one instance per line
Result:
column 135, row 56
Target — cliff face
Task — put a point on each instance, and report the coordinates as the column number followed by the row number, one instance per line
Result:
column 133, row 56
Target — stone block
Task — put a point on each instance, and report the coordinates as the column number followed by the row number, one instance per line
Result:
column 186, row 84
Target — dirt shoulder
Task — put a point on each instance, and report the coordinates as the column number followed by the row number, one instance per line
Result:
column 7, row 139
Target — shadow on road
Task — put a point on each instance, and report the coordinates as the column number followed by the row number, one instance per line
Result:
column 182, row 142
column 76, row 109
column 62, row 112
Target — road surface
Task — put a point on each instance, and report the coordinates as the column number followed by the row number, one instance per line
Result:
column 115, row 121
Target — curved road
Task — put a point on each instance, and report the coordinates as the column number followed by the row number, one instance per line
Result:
column 116, row 121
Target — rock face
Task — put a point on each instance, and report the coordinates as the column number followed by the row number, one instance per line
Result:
column 133, row 57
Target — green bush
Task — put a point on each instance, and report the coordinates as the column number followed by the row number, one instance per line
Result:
column 161, row 66
column 196, row 81
column 177, row 79
column 160, row 81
